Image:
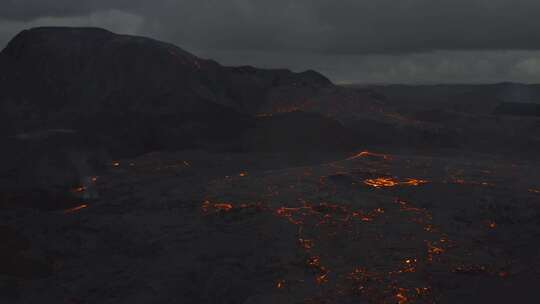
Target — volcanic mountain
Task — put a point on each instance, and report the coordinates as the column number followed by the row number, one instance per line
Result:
column 89, row 92
column 59, row 77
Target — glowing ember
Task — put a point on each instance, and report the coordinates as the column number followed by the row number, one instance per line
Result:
column 322, row 278
column 422, row 291
column 306, row 244
column 243, row 174
column 75, row 209
column 79, row 189
column 280, row 284
column 216, row 207
column 223, row 207
column 367, row 154
column 435, row 250
column 383, row 182
column 401, row 296
column 492, row 225
column 409, row 266
column 414, row 182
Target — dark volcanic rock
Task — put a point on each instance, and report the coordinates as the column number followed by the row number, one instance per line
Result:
column 299, row 132
column 122, row 89
column 128, row 95
column 144, row 94
column 38, row 170
column 518, row 109
column 52, row 74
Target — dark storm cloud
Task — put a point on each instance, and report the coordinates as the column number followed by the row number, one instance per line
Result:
column 27, row 10
column 351, row 26
column 349, row 40
column 328, row 26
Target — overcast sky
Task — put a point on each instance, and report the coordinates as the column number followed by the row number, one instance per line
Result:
column 351, row 41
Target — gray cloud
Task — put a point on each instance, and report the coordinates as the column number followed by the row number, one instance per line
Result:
column 344, row 26
column 27, row 10
column 364, row 40
column 350, row 26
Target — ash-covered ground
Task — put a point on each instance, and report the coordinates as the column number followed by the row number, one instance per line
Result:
column 201, row 227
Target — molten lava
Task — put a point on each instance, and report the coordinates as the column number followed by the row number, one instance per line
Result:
column 385, row 182
column 75, row 209
column 79, row 189
column 208, row 207
column 321, row 224
column 369, row 154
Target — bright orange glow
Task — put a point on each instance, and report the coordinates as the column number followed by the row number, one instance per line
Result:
column 79, row 189
column 322, row 278
column 224, row 207
column 243, row 174
column 383, row 182
column 367, row 154
column 433, row 250
column 314, row 261
column 401, row 297
column 75, row 209
column 414, row 182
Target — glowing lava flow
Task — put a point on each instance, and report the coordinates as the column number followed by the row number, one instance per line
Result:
column 384, row 182
column 381, row 255
column 79, row 189
column 208, row 207
column 320, row 223
column 368, row 154
column 75, row 209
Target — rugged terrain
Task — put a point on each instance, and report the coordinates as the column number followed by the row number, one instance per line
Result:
column 199, row 227
column 132, row 171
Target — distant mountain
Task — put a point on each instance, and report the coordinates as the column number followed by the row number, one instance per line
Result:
column 473, row 98
column 148, row 93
